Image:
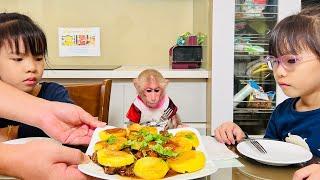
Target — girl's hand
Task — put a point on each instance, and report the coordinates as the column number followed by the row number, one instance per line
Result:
column 311, row 172
column 228, row 133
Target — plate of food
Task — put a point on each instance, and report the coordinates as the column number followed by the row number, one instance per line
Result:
column 143, row 152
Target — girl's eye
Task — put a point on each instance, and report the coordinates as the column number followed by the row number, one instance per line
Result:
column 17, row 59
column 291, row 60
column 156, row 90
column 39, row 58
column 149, row 90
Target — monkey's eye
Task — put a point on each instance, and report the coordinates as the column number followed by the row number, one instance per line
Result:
column 150, row 90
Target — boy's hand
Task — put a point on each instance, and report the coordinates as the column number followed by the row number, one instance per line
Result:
column 228, row 133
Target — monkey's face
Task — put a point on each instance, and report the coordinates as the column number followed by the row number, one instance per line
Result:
column 152, row 94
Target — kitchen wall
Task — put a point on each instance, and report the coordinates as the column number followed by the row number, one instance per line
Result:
column 133, row 32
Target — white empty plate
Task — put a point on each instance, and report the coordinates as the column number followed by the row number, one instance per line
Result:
column 279, row 153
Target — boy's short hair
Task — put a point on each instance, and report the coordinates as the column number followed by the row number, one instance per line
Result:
column 15, row 27
column 296, row 33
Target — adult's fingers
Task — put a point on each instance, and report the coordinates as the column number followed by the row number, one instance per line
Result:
column 84, row 140
column 90, row 120
column 71, row 156
column 71, row 172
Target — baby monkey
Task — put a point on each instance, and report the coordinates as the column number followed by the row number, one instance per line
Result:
column 153, row 106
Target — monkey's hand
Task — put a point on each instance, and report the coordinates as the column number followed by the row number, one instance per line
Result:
column 173, row 122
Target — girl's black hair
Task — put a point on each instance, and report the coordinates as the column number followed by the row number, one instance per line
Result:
column 15, row 27
column 296, row 33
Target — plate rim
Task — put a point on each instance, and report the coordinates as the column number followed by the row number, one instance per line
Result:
column 274, row 163
column 25, row 140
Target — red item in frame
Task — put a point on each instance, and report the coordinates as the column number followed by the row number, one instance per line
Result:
column 192, row 41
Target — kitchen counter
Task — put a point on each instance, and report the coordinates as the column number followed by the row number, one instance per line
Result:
column 125, row 72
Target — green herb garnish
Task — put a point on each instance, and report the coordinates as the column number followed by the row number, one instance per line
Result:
column 164, row 151
column 189, row 136
column 112, row 139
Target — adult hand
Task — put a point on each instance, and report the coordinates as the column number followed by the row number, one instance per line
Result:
column 229, row 132
column 68, row 123
column 311, row 172
column 42, row 159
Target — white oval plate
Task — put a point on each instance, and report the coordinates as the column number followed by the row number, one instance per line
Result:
column 279, row 153
column 28, row 139
column 95, row 170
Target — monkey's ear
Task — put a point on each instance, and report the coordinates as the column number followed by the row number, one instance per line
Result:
column 164, row 83
column 136, row 84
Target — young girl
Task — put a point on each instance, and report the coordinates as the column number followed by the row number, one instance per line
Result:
column 295, row 60
column 23, row 49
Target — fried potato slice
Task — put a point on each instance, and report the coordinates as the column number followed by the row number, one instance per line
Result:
column 112, row 143
column 150, row 168
column 179, row 144
column 134, row 127
column 114, row 158
column 190, row 136
column 119, row 132
column 150, row 129
column 133, row 135
column 100, row 145
column 187, row 162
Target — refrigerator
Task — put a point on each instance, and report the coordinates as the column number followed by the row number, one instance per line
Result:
column 239, row 45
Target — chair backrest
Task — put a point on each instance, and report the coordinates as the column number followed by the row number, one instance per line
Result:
column 93, row 98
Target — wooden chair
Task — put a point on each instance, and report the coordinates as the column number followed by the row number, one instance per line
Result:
column 93, row 98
